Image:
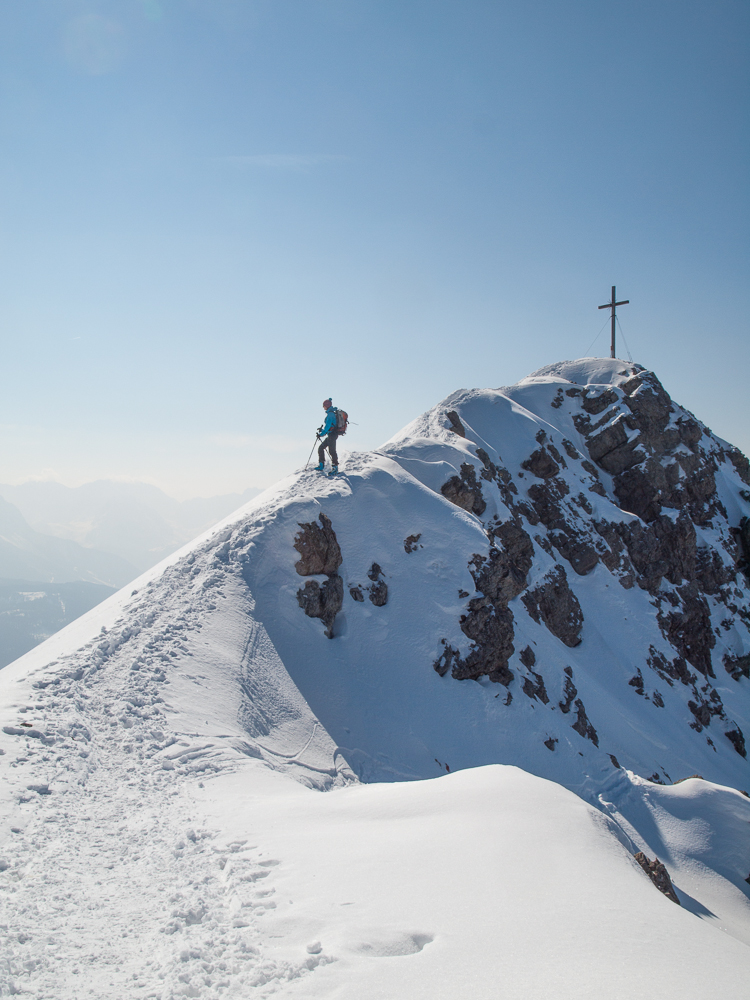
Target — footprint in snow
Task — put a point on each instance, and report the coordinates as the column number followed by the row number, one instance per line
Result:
column 393, row 944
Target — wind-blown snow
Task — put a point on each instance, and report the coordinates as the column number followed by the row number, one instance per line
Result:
column 153, row 845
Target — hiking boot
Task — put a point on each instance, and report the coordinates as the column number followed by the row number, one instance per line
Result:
column 320, row 468
column 334, row 470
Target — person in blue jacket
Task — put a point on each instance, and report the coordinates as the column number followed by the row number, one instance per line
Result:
column 328, row 432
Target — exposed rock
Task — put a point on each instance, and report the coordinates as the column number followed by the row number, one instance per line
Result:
column 546, row 498
column 577, row 548
column 502, row 575
column 555, row 604
column 318, row 548
column 737, row 666
column 680, row 780
column 637, row 683
column 614, row 760
column 411, row 543
column 595, row 404
column 665, row 548
column 527, row 656
column 703, row 711
column 533, row 687
column 557, row 402
column 491, row 629
column 447, row 658
column 710, row 571
column 500, row 476
column 639, row 489
column 356, row 594
column 550, row 743
column 650, row 405
column 456, row 426
column 689, row 630
column 658, row 875
column 465, row 491
column 743, row 537
column 541, row 464
column 670, row 670
column 570, row 691
column 378, row 591
column 740, row 463
column 737, row 739
column 322, row 602
column 611, row 449
column 571, row 450
column 582, row 725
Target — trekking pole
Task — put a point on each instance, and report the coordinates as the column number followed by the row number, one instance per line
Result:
column 317, row 438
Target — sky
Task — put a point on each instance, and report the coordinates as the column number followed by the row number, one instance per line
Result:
column 216, row 213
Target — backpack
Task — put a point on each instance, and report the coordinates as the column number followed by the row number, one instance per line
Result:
column 342, row 420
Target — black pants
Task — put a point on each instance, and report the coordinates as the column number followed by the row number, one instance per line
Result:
column 329, row 442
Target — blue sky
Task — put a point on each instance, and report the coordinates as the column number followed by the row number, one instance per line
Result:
column 215, row 213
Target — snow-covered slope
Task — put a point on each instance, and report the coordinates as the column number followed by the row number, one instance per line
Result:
column 550, row 576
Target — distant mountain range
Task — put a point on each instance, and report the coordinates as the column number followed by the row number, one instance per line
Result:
column 136, row 522
column 63, row 550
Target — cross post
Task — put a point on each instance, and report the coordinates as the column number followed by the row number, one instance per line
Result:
column 611, row 305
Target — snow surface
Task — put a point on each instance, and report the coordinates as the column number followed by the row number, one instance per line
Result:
column 152, row 843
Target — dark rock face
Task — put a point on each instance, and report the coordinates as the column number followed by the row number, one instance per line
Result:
column 541, row 464
column 658, row 875
column 737, row 666
column 582, row 725
column 737, row 740
column 318, row 548
column 491, row 630
column 501, row 576
column 664, row 548
column 320, row 554
column 456, row 426
column 555, row 604
column 356, row 594
column 672, row 536
column 533, row 687
column 411, row 543
column 569, row 692
column 688, row 629
column 378, row 591
column 465, row 491
column 322, row 602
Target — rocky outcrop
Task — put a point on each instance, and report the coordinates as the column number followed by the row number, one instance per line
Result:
column 737, row 739
column 318, row 548
column 324, row 601
column 737, row 666
column 378, row 590
column 411, row 543
column 320, row 554
column 465, row 491
column 541, row 464
column 671, row 536
column 582, row 725
column 455, row 423
column 658, row 875
column 554, row 604
column 688, row 627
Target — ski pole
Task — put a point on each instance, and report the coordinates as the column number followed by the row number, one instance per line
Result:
column 317, row 438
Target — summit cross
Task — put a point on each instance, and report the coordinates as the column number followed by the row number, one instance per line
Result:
column 612, row 305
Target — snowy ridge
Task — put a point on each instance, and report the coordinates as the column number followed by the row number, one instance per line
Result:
column 490, row 598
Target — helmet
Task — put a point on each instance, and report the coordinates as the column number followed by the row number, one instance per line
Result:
column 327, row 403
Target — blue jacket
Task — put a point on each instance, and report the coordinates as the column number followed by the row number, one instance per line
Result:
column 330, row 421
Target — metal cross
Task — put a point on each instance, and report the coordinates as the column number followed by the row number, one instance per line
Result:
column 611, row 305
